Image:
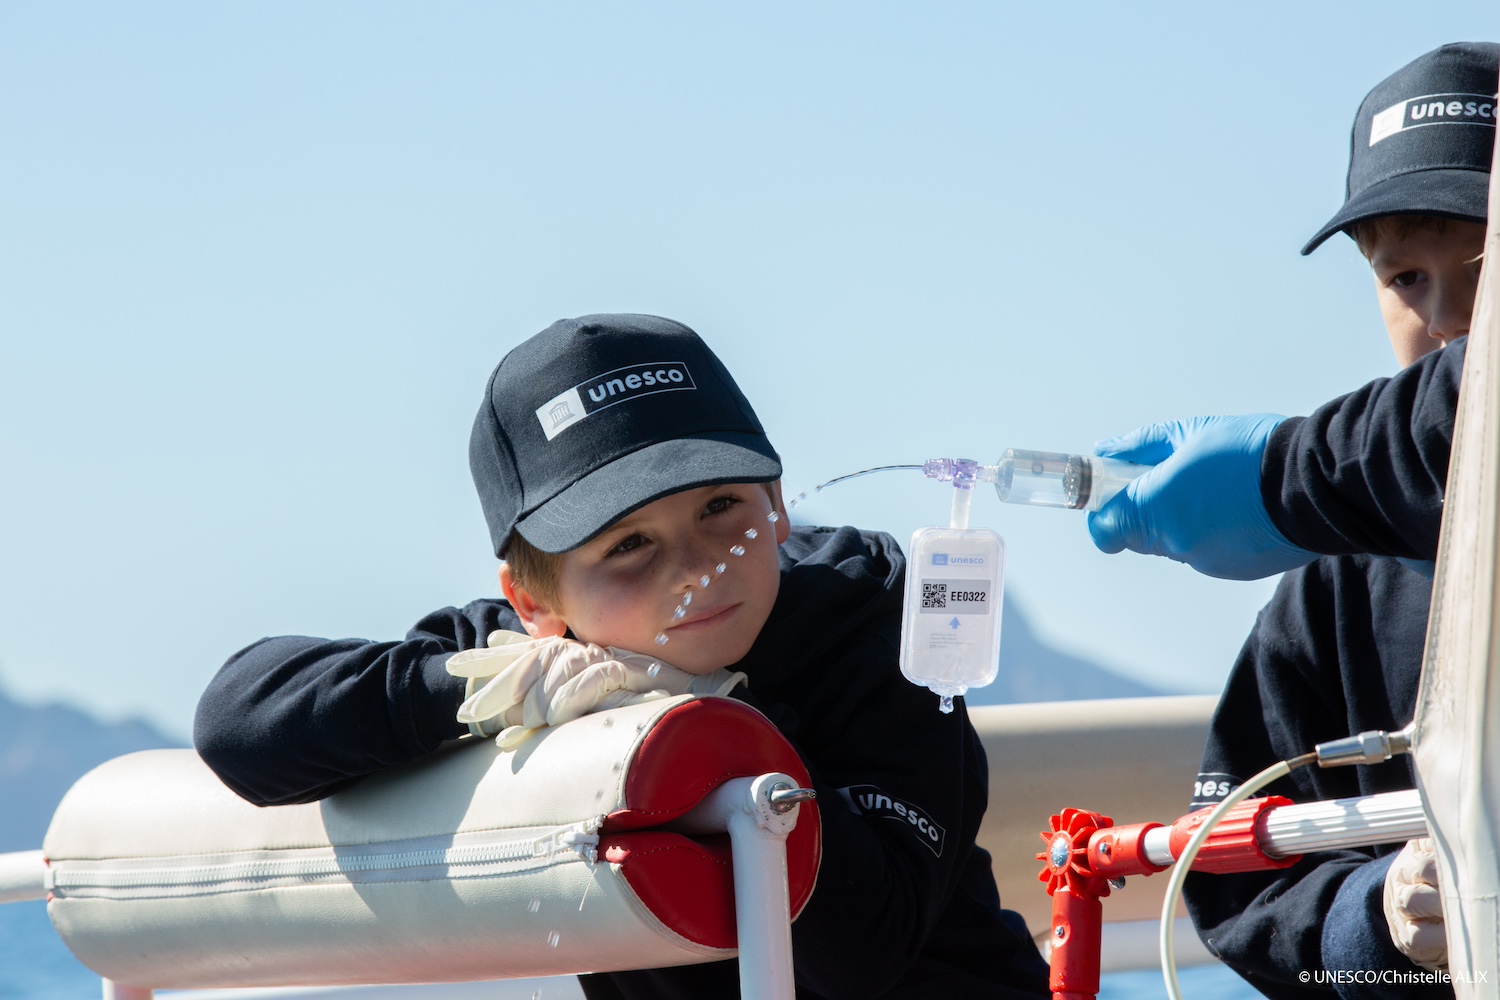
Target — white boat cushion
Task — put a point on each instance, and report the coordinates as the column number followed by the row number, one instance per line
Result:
column 476, row 863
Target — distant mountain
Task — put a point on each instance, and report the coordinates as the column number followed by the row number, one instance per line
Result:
column 43, row 750
column 1031, row 670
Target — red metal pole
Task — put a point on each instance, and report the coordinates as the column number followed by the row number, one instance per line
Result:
column 1076, row 927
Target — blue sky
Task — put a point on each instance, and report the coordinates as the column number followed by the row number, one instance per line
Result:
column 257, row 261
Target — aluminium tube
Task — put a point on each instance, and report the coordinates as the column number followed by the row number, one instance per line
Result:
column 1330, row 825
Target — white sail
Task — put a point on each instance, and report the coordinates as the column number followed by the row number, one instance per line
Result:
column 1458, row 706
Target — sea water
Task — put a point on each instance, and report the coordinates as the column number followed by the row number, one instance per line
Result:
column 34, row 963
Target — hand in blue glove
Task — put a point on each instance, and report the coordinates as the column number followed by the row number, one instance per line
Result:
column 1201, row 504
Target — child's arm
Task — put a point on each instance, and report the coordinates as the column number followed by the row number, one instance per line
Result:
column 1251, row 496
column 1366, row 472
column 293, row 719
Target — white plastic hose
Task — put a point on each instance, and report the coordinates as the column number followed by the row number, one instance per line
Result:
column 1184, row 863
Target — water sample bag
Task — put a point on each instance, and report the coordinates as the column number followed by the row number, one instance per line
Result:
column 950, row 628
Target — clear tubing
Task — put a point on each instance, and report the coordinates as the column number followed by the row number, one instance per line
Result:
column 1057, row 479
column 964, row 470
column 959, row 514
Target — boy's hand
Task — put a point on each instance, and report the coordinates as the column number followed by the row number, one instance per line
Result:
column 518, row 683
column 1414, row 906
column 1202, row 504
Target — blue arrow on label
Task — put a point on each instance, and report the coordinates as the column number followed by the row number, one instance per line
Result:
column 953, row 623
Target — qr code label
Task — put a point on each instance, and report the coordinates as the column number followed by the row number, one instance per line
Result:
column 934, row 595
column 955, row 597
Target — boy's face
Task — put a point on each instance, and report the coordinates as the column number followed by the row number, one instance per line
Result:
column 620, row 588
column 1425, row 283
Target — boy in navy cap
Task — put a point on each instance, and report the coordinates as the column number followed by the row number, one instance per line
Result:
column 1338, row 650
column 622, row 472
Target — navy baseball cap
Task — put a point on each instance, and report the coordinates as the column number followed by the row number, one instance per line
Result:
column 1423, row 141
column 597, row 416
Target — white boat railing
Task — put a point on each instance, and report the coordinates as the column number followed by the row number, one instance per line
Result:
column 1043, row 758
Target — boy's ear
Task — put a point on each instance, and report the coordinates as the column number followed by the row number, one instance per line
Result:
column 783, row 521
column 537, row 618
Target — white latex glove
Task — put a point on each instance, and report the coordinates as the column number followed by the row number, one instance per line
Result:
column 518, row 683
column 1414, row 906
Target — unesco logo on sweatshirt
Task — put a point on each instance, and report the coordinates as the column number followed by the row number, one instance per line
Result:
column 867, row 800
column 603, row 391
column 1212, row 787
column 1433, row 109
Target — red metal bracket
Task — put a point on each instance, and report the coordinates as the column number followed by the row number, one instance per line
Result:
column 1077, row 913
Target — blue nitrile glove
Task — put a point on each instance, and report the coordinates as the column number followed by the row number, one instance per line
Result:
column 1201, row 504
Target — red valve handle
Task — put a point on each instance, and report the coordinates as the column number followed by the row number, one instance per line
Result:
column 1065, row 862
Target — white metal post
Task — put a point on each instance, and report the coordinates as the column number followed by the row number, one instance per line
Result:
column 758, row 830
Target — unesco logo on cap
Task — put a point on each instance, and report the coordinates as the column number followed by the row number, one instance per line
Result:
column 603, row 391
column 1433, row 109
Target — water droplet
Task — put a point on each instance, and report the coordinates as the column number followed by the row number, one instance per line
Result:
column 704, row 580
column 608, row 722
column 534, row 905
column 797, row 499
column 661, row 638
column 553, row 938
column 687, row 598
column 773, row 517
column 946, row 705
column 721, row 567
column 537, row 995
column 679, row 612
column 738, row 550
column 751, row 533
column 653, row 670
